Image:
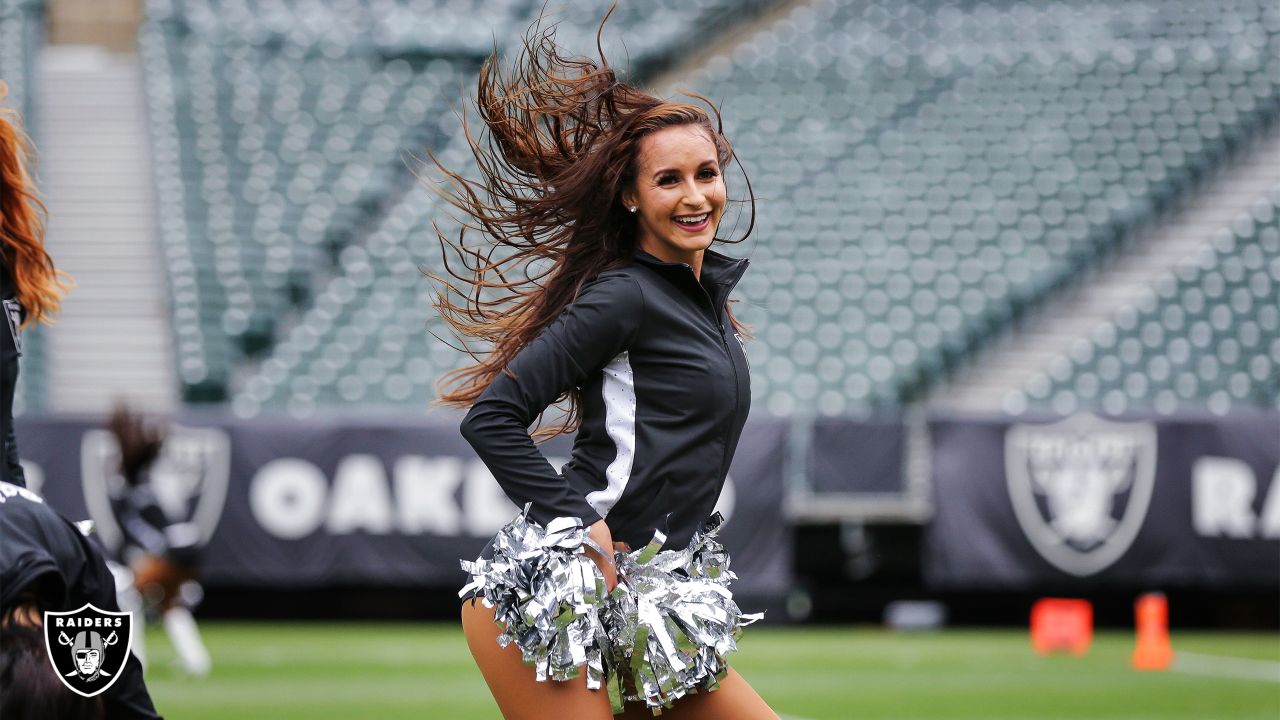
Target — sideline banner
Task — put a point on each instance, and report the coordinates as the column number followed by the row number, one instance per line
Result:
column 857, row 456
column 1131, row 502
column 338, row 501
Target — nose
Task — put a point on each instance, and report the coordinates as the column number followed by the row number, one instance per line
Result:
column 693, row 196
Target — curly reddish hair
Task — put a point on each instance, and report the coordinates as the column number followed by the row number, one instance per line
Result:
column 37, row 283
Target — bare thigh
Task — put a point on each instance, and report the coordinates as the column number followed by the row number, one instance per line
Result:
column 519, row 694
column 734, row 700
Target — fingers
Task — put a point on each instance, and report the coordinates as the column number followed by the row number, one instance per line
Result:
column 607, row 568
column 599, row 531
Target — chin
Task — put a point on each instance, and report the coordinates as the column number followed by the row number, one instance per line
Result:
column 704, row 243
column 697, row 242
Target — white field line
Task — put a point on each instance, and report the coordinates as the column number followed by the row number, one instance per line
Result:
column 1221, row 666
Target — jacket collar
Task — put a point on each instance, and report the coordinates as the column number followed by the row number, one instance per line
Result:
column 720, row 273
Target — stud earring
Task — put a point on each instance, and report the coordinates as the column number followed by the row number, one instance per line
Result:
column 633, row 208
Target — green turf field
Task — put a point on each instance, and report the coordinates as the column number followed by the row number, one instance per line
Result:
column 315, row 671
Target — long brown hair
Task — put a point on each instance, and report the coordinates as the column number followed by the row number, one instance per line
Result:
column 559, row 146
column 37, row 283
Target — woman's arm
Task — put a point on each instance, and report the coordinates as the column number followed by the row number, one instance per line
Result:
column 11, row 459
column 591, row 331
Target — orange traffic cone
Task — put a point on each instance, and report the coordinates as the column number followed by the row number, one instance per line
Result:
column 1153, row 652
column 1061, row 625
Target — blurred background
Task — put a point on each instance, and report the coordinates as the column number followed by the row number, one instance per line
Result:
column 1014, row 291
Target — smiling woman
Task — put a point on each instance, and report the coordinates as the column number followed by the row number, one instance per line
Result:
column 678, row 194
column 596, row 286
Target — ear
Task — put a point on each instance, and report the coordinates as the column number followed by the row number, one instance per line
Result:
column 629, row 197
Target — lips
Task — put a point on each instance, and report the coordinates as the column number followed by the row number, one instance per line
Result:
column 693, row 223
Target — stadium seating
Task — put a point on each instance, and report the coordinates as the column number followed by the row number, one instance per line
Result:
column 21, row 34
column 272, row 153
column 284, row 130
column 451, row 28
column 1205, row 335
column 923, row 174
column 951, row 168
column 19, row 37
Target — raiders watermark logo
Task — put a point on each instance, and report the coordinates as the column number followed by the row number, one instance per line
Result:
column 13, row 314
column 1081, row 488
column 88, row 647
column 189, row 479
column 743, row 344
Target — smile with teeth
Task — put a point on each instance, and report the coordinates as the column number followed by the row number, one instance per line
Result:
column 693, row 219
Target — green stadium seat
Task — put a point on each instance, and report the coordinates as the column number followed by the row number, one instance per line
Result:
column 1207, row 334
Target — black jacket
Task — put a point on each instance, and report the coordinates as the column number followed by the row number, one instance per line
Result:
column 147, row 528
column 10, row 351
column 38, row 544
column 666, row 391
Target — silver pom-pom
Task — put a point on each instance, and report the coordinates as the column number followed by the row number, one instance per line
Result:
column 672, row 618
column 661, row 634
column 546, row 595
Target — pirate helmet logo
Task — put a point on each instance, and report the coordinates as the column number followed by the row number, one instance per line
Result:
column 190, row 479
column 87, row 650
column 1081, row 488
column 88, row 647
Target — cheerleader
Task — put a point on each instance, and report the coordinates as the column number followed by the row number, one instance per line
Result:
column 599, row 290
column 48, row 565
column 160, row 556
column 30, row 287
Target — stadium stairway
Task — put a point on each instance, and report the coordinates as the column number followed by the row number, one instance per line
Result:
column 112, row 338
column 987, row 382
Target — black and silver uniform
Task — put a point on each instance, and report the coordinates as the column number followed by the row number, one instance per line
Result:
column 42, row 550
column 148, row 529
column 10, row 351
column 666, row 391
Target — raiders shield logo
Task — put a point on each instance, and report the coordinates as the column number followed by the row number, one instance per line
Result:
column 1081, row 488
column 13, row 314
column 88, row 647
column 189, row 479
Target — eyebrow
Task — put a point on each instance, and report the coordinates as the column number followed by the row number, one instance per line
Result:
column 658, row 173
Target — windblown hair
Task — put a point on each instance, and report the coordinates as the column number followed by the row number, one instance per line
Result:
column 37, row 283
column 140, row 442
column 559, row 146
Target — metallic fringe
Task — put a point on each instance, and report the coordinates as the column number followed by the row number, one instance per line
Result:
column 661, row 634
column 545, row 593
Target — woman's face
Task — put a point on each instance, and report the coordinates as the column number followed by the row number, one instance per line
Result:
column 678, row 193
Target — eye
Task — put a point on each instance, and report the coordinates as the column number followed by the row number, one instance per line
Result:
column 667, row 179
column 708, row 173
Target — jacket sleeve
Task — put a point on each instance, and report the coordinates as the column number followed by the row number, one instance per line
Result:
column 599, row 325
column 11, row 459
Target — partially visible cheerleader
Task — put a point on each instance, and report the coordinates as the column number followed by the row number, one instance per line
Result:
column 48, row 565
column 161, row 554
column 30, row 286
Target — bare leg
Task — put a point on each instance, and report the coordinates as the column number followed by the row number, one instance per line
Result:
column 185, row 636
column 130, row 600
column 518, row 693
column 734, row 700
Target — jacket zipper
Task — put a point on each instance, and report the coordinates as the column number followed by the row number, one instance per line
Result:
column 719, row 324
column 724, row 462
